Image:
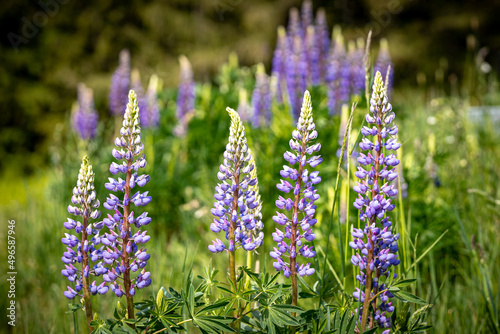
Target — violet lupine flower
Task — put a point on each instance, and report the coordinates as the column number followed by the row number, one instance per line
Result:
column 185, row 96
column 85, row 118
column 322, row 42
column 125, row 251
column 306, row 13
column 376, row 245
column 261, row 98
column 279, row 63
column 383, row 62
column 244, row 108
column 337, row 75
column 235, row 195
column 294, row 28
column 81, row 247
column 296, row 69
column 301, row 204
column 120, row 84
column 312, row 57
column 136, row 86
column 151, row 116
column 356, row 66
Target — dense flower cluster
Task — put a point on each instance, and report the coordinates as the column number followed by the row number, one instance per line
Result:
column 261, row 98
column 375, row 244
column 137, row 87
column 120, row 85
column 85, row 118
column 302, row 202
column 337, row 76
column 151, row 116
column 83, row 248
column 185, row 96
column 125, row 251
column 305, row 56
column 236, row 198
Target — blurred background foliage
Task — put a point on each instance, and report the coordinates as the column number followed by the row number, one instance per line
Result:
column 79, row 42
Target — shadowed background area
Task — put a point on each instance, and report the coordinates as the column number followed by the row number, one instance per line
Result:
column 47, row 47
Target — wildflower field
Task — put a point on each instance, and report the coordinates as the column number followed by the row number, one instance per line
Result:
column 311, row 196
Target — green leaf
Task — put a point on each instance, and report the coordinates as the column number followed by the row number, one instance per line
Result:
column 404, row 282
column 408, row 297
column 213, row 307
column 371, row 331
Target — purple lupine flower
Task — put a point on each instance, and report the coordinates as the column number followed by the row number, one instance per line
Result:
column 301, row 204
column 337, row 75
column 312, row 57
column 136, row 86
column 85, row 118
column 233, row 195
column 356, row 66
column 322, row 42
column 376, row 245
column 279, row 63
column 120, row 84
column 306, row 13
column 185, row 96
column 151, row 116
column 296, row 69
column 383, row 62
column 294, row 28
column 244, row 109
column 261, row 98
column 82, row 257
column 236, row 197
column 125, row 252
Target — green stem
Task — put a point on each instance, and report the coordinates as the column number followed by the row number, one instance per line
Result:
column 85, row 279
column 125, row 256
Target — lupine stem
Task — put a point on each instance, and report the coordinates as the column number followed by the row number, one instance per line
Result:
column 85, row 279
column 371, row 251
column 126, row 211
column 293, row 239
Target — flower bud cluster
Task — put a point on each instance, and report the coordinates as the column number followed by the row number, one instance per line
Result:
column 236, row 196
column 120, row 84
column 301, row 184
column 123, row 244
column 376, row 245
column 85, row 118
column 83, row 248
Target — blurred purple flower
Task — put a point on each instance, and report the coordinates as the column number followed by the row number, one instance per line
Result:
column 261, row 99
column 322, row 42
column 85, row 118
column 185, row 95
column 120, row 84
column 296, row 69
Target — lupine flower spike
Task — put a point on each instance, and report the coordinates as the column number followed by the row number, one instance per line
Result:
column 120, row 84
column 235, row 197
column 292, row 241
column 261, row 98
column 322, row 42
column 81, row 249
column 185, row 96
column 244, row 108
column 85, row 118
column 279, row 64
column 151, row 116
column 296, row 69
column 376, row 245
column 125, row 252
column 338, row 74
